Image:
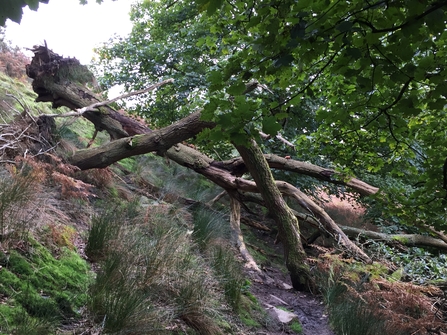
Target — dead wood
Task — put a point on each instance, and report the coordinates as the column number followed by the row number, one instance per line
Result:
column 238, row 239
column 254, row 224
column 409, row 240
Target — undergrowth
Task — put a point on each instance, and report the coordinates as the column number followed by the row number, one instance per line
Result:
column 361, row 300
column 151, row 274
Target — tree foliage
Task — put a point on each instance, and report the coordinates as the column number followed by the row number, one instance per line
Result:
column 12, row 9
column 358, row 84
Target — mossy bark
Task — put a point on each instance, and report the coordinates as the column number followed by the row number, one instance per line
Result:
column 289, row 231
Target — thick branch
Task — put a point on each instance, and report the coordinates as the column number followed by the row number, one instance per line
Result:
column 237, row 166
column 325, row 223
column 159, row 140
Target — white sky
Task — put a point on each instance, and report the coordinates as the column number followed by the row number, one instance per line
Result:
column 70, row 29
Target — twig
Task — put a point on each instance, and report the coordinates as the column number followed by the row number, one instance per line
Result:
column 279, row 137
column 216, row 198
column 92, row 108
column 25, row 108
column 45, row 151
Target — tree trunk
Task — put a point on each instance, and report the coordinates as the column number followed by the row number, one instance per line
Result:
column 409, row 240
column 238, row 239
column 295, row 256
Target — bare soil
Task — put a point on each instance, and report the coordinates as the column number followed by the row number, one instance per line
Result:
column 276, row 292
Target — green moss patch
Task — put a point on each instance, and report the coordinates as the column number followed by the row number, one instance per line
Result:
column 37, row 287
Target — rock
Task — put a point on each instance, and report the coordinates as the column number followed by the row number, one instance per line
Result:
column 287, row 286
column 284, row 316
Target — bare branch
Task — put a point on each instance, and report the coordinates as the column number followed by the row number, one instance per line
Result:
column 279, row 137
column 93, row 107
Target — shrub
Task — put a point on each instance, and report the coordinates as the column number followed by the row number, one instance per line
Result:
column 361, row 303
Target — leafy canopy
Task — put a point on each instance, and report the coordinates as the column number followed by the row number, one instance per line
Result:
column 12, row 9
column 359, row 83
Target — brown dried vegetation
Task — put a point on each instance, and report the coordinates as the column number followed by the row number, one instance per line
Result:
column 398, row 307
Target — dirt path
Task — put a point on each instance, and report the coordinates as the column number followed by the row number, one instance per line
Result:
column 278, row 292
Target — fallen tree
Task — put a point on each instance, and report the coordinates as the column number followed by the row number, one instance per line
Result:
column 409, row 240
column 63, row 82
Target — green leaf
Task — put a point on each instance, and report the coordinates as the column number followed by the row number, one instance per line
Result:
column 11, row 10
column 32, row 4
column 270, row 125
column 344, row 26
column 281, row 116
column 213, row 6
column 236, row 89
column 283, row 60
column 239, row 138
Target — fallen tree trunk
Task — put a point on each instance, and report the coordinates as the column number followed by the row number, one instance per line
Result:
column 158, row 140
column 409, row 240
column 54, row 87
column 308, row 169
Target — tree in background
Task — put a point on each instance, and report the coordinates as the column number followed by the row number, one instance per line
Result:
column 356, row 85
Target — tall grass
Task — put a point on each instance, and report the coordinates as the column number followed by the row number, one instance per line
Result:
column 211, row 233
column 210, row 228
column 18, row 196
column 349, row 316
column 151, row 275
column 229, row 271
column 357, row 305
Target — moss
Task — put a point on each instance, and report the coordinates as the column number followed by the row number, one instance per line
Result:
column 296, row 327
column 401, row 239
column 247, row 320
column 250, row 312
column 42, row 290
column 59, row 236
column 251, row 297
column 129, row 164
column 6, row 317
column 10, row 284
column 19, row 265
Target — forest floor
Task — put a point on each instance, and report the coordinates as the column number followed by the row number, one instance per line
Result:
column 277, row 292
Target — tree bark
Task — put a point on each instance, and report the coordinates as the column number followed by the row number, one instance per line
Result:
column 409, row 240
column 159, row 141
column 289, row 231
column 308, row 169
column 238, row 239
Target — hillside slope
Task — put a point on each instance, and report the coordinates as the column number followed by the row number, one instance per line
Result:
column 145, row 247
